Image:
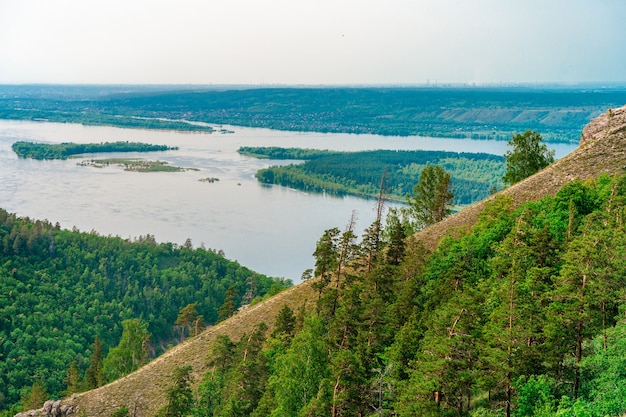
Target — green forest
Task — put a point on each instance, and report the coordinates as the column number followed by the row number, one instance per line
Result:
column 474, row 175
column 67, row 149
column 67, row 297
column 522, row 315
column 558, row 113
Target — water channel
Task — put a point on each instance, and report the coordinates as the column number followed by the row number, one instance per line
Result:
column 272, row 230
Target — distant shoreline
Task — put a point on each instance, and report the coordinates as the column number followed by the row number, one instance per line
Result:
column 557, row 112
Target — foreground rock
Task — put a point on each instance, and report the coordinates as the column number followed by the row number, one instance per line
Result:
column 51, row 409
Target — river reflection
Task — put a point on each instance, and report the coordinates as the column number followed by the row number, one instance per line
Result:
column 271, row 230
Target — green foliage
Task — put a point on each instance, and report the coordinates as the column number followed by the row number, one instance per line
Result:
column 520, row 316
column 431, row 200
column 479, row 113
column 603, row 391
column 285, row 325
column 236, row 382
column 472, row 176
column 73, row 381
column 65, row 150
column 35, row 396
column 135, row 165
column 274, row 152
column 65, row 295
column 130, row 353
column 93, row 374
column 535, row 397
column 229, row 307
column 180, row 397
column 326, row 257
column 528, row 156
column 604, row 373
column 121, row 412
column 189, row 318
column 210, row 393
column 299, row 373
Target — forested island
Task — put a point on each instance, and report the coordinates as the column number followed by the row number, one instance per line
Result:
column 67, row 297
column 474, row 175
column 557, row 112
column 65, row 150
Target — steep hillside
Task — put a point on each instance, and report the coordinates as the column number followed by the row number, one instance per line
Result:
column 144, row 390
column 602, row 150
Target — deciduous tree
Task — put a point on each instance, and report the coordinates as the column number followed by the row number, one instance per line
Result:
column 131, row 352
column 528, row 156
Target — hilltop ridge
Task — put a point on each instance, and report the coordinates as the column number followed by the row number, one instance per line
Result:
column 602, row 150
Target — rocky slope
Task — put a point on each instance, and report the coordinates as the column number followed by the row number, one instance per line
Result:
column 602, row 150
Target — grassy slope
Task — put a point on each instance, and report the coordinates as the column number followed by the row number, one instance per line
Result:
column 145, row 389
column 602, row 149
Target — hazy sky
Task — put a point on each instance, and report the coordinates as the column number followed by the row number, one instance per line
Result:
column 312, row 41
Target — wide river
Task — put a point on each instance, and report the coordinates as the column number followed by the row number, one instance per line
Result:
column 272, row 230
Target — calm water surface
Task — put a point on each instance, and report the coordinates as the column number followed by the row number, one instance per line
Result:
column 271, row 230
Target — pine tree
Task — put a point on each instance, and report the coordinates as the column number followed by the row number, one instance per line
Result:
column 220, row 362
column 34, row 397
column 228, row 308
column 188, row 317
column 93, row 375
column 584, row 299
column 300, row 372
column 284, row 327
column 395, row 234
column 432, row 196
column 180, row 398
column 72, row 379
column 515, row 322
column 326, row 257
column 245, row 381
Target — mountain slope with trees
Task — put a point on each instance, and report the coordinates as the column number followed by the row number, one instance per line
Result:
column 67, row 294
column 512, row 306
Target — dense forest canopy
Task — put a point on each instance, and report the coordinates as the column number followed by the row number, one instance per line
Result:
column 557, row 113
column 474, row 175
column 522, row 315
column 66, row 149
column 61, row 290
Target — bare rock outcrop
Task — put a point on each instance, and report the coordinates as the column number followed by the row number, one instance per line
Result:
column 51, row 408
column 609, row 124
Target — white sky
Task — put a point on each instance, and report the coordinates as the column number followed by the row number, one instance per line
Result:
column 312, row 41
